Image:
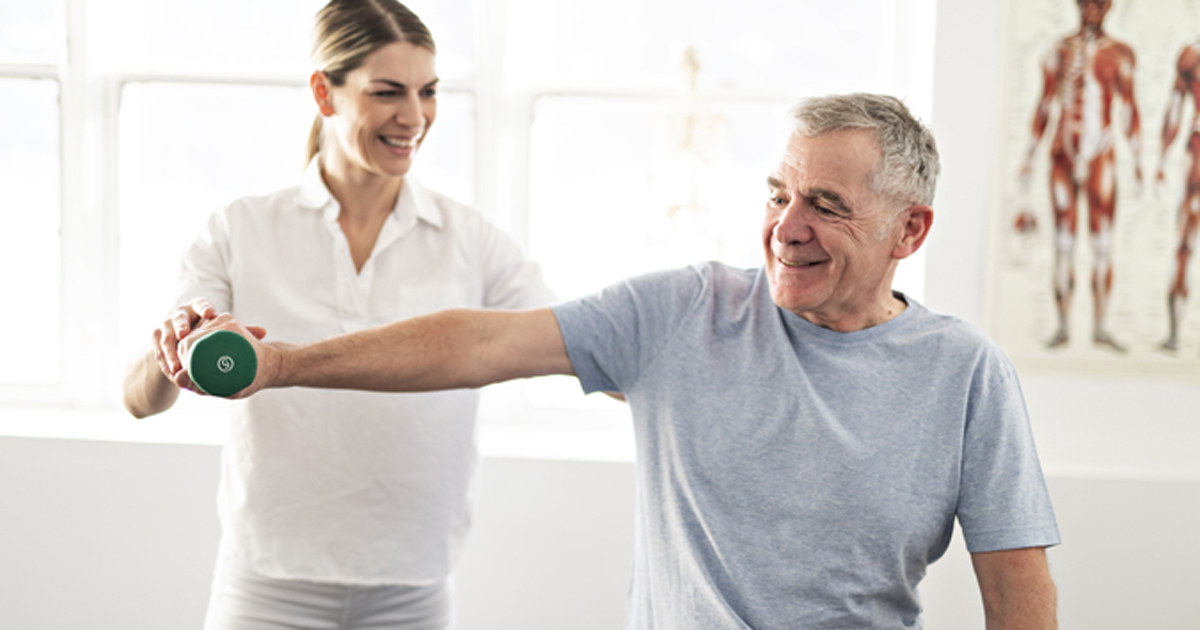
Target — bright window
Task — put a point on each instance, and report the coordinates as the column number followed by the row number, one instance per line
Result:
column 31, row 31
column 30, row 250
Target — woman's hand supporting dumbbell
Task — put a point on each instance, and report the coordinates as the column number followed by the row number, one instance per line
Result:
column 197, row 356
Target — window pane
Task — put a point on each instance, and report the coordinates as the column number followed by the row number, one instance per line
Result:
column 446, row 162
column 30, row 322
column 259, row 37
column 658, row 185
column 790, row 47
column 187, row 150
column 453, row 29
column 31, row 31
column 240, row 37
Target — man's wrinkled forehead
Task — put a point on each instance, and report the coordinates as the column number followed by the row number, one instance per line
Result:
column 799, row 155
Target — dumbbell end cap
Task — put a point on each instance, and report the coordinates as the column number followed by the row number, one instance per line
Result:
column 222, row 363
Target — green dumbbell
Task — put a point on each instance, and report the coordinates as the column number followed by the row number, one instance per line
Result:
column 222, row 363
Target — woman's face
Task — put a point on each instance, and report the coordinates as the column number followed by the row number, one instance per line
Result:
column 383, row 111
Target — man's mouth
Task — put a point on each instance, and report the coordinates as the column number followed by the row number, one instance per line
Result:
column 798, row 263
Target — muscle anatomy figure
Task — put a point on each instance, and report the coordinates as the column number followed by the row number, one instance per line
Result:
column 1084, row 75
column 1187, row 82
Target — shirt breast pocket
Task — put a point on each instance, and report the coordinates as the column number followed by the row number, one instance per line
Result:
column 423, row 299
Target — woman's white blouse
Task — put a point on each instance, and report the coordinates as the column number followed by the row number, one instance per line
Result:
column 345, row 486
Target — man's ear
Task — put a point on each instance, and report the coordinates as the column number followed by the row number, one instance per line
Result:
column 319, row 83
column 915, row 222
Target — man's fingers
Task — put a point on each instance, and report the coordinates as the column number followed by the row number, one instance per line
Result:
column 258, row 331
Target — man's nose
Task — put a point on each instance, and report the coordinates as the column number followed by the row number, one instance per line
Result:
column 794, row 225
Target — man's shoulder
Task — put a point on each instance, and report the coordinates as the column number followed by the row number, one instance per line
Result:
column 732, row 286
column 948, row 331
column 727, row 274
column 674, row 292
column 711, row 275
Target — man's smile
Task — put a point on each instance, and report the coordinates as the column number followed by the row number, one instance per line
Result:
column 798, row 263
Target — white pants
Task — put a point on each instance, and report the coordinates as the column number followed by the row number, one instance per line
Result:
column 242, row 600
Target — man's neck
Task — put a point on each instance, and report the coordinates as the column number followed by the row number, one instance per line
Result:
column 860, row 319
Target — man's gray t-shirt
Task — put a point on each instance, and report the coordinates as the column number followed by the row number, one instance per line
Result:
column 790, row 476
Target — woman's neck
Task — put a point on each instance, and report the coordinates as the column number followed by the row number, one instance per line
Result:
column 363, row 196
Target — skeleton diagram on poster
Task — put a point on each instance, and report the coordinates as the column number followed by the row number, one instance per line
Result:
column 1098, row 184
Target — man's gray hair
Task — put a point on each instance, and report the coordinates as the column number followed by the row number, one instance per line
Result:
column 908, row 167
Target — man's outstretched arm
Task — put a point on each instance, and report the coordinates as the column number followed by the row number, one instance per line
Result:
column 447, row 350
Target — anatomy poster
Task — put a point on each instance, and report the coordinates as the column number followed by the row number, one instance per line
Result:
column 1093, row 252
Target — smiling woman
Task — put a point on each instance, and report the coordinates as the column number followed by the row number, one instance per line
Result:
column 364, row 491
column 381, row 78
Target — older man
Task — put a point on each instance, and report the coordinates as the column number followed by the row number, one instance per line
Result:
column 805, row 435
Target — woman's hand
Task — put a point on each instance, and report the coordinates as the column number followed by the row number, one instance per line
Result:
column 266, row 354
column 178, row 324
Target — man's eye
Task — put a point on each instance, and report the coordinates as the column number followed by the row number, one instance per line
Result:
column 429, row 93
column 778, row 201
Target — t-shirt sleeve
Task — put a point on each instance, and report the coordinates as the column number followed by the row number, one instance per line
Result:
column 1003, row 499
column 204, row 269
column 613, row 335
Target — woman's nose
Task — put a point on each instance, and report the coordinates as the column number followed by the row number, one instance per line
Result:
column 410, row 114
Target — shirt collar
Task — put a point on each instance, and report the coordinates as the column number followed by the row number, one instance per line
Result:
column 413, row 202
column 313, row 192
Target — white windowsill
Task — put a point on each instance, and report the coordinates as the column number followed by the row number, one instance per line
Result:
column 565, row 434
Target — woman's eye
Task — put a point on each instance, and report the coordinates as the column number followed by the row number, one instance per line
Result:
column 386, row 93
column 429, row 93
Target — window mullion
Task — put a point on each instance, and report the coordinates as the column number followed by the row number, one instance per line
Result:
column 487, row 85
column 89, row 105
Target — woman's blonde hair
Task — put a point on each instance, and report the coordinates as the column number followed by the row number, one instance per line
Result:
column 347, row 31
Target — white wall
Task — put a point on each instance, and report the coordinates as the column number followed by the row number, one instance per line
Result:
column 120, row 536
column 104, row 535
